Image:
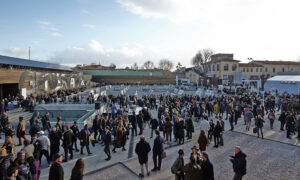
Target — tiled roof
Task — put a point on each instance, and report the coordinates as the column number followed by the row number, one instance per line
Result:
column 276, row 62
column 250, row 65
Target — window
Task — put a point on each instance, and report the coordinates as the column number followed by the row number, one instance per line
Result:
column 274, row 69
column 234, row 67
column 247, row 69
column 260, row 69
column 226, row 67
column 282, row 69
column 251, row 69
column 209, row 68
column 213, row 67
column 243, row 69
column 266, row 69
column 218, row 67
column 225, row 77
column 256, row 69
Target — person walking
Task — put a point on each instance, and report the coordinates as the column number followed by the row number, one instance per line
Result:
column 56, row 171
column 239, row 163
column 217, row 133
column 140, row 122
column 248, row 116
column 197, row 156
column 46, row 122
column 207, row 167
column 168, row 130
column 54, row 138
column 133, row 122
column 189, row 127
column 34, row 167
column 177, row 167
column 180, row 131
column 192, row 170
column 21, row 130
column 96, row 126
column 259, row 125
column 28, row 149
column 78, row 170
column 271, row 117
column 45, row 144
column 84, row 137
column 142, row 149
column 282, row 120
column 67, row 142
column 107, row 142
column 203, row 141
column 153, row 125
column 35, row 128
column 118, row 138
column 75, row 131
column 157, row 151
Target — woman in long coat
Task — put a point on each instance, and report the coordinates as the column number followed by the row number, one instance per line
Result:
column 180, row 131
column 118, row 138
column 203, row 141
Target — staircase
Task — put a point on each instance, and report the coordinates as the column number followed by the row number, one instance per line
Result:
column 13, row 115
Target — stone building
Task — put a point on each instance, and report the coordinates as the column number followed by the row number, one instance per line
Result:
column 222, row 67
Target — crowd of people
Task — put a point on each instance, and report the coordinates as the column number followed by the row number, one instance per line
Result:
column 176, row 117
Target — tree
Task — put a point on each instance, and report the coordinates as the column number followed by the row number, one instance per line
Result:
column 148, row 65
column 113, row 66
column 202, row 57
column 178, row 66
column 165, row 64
column 135, row 66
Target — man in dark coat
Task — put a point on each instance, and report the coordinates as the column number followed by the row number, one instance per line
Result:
column 142, row 149
column 140, row 121
column 189, row 127
column 107, row 143
column 56, row 171
column 239, row 163
column 67, row 142
column 207, row 167
column 157, row 151
column 177, row 167
column 46, row 122
column 54, row 138
column 192, row 170
column 75, row 131
column 133, row 122
column 84, row 137
column 154, row 125
column 35, row 128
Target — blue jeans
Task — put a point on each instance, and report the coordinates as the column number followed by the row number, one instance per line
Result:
column 260, row 129
column 221, row 139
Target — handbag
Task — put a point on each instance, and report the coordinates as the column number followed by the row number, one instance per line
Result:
column 163, row 154
column 254, row 130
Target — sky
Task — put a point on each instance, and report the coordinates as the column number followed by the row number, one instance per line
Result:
column 123, row 32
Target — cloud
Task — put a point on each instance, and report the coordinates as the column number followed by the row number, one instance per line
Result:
column 56, row 34
column 49, row 28
column 91, row 26
column 16, row 51
column 95, row 52
column 84, row 11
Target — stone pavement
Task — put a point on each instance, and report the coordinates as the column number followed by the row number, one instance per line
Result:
column 113, row 172
column 273, row 134
column 265, row 159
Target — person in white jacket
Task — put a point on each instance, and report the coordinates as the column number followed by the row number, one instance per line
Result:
column 45, row 144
